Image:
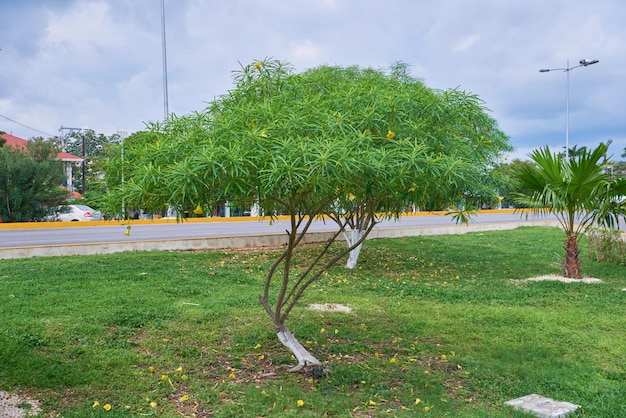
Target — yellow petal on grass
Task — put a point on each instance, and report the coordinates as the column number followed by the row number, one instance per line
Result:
column 184, row 398
column 163, row 377
column 261, row 356
column 150, row 369
column 418, row 401
column 232, row 375
column 426, row 409
column 183, row 377
column 107, row 407
column 336, row 331
column 95, row 404
column 300, row 403
column 371, row 403
column 153, row 404
column 391, row 134
column 393, row 360
column 256, row 347
column 179, row 370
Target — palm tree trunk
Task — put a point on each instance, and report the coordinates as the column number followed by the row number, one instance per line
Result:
column 571, row 266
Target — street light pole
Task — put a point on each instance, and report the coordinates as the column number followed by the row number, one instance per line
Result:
column 567, row 69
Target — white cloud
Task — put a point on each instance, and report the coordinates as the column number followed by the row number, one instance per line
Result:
column 98, row 62
column 466, row 43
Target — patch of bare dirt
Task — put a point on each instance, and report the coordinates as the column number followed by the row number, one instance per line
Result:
column 13, row 405
column 557, row 278
column 330, row 307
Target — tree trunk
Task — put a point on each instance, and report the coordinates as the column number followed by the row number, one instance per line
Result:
column 305, row 359
column 351, row 237
column 571, row 266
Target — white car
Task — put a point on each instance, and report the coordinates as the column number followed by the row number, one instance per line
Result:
column 77, row 213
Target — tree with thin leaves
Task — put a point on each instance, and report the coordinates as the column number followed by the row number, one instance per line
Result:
column 577, row 191
column 308, row 145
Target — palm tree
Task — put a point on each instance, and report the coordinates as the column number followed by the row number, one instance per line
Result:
column 576, row 191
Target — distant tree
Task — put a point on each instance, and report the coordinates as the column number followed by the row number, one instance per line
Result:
column 513, row 186
column 91, row 146
column 29, row 181
column 309, row 145
column 578, row 191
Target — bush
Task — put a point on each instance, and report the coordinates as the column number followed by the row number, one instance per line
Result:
column 606, row 246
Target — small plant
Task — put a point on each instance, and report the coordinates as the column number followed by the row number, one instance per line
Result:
column 606, row 246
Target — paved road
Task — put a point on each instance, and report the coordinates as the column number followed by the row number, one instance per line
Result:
column 41, row 234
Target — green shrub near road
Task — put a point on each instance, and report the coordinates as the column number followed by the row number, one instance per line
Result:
column 440, row 326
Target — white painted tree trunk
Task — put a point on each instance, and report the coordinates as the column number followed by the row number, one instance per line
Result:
column 351, row 237
column 304, row 358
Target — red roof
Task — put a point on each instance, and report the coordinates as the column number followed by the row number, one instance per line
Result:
column 19, row 143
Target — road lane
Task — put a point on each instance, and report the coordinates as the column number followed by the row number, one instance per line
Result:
column 40, row 235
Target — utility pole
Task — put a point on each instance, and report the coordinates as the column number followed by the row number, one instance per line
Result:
column 166, row 111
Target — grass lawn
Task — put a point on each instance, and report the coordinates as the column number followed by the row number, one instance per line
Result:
column 438, row 328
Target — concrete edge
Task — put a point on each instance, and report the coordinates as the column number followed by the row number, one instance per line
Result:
column 242, row 242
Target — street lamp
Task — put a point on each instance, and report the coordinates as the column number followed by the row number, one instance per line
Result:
column 567, row 69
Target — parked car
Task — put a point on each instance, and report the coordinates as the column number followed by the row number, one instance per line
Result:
column 76, row 213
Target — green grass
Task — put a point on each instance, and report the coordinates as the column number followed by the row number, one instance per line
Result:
column 434, row 318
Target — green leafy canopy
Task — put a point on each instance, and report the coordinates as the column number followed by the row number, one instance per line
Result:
column 305, row 142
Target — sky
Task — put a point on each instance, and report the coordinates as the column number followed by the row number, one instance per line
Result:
column 98, row 64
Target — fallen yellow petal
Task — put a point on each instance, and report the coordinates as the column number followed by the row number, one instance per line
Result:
column 179, row 370
column 95, row 404
column 300, row 403
column 417, row 401
column 107, row 407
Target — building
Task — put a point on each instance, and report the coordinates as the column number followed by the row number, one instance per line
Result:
column 68, row 159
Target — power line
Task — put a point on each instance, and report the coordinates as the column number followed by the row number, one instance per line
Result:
column 25, row 126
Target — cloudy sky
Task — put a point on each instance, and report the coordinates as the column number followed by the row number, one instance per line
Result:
column 98, row 63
